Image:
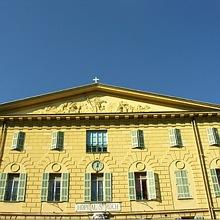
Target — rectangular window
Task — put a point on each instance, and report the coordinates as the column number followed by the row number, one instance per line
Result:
column 55, row 187
column 215, row 174
column 98, row 187
column 175, row 138
column 213, row 136
column 57, row 140
column 96, row 141
column 143, row 185
column 18, row 140
column 182, row 184
column 12, row 187
column 137, row 137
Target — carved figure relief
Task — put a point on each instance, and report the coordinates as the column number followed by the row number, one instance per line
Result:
column 93, row 105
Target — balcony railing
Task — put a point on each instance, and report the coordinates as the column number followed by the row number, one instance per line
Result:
column 96, row 149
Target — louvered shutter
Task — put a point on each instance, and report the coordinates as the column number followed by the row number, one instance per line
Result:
column 217, row 138
column 141, row 138
column 151, row 185
column 87, row 189
column 21, row 187
column 18, row 140
column 182, row 184
column 107, row 187
column 44, row 189
column 172, row 135
column 175, row 137
column 3, row 182
column 211, row 136
column 64, row 187
column 21, row 137
column 54, row 140
column 60, row 140
column 215, row 182
column 134, row 138
column 131, row 185
column 178, row 137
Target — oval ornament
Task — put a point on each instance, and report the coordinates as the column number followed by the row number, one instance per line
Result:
column 15, row 167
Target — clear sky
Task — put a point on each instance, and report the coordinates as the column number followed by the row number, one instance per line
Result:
column 170, row 47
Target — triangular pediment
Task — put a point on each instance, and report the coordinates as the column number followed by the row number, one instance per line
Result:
column 98, row 98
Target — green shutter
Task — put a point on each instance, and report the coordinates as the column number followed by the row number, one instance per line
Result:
column 141, row 138
column 211, row 136
column 215, row 182
column 57, row 140
column 151, row 185
column 21, row 187
column 175, row 137
column 3, row 182
column 131, row 185
column 64, row 187
column 217, row 138
column 107, row 187
column 54, row 140
column 87, row 189
column 21, row 137
column 15, row 140
column 172, row 137
column 60, row 139
column 182, row 184
column 178, row 137
column 44, row 189
column 18, row 140
column 134, row 138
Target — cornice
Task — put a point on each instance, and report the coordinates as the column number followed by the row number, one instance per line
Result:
column 109, row 116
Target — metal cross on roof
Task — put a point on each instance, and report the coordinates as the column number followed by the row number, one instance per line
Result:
column 96, row 80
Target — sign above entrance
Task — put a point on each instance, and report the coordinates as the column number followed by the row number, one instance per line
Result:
column 98, row 207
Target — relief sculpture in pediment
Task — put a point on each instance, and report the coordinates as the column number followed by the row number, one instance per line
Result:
column 93, row 105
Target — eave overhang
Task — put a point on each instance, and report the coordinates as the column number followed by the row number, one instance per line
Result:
column 109, row 116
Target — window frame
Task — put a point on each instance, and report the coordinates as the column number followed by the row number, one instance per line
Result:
column 183, row 185
column 152, row 181
column 96, row 147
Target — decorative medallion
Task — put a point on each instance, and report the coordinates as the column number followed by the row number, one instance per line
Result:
column 15, row 167
column 140, row 166
column 97, row 165
column 56, row 167
column 180, row 165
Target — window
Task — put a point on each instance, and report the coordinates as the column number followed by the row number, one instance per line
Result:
column 137, row 137
column 18, row 140
column 55, row 187
column 143, row 185
column 12, row 187
column 175, row 138
column 215, row 174
column 98, row 187
column 182, row 184
column 96, row 141
column 57, row 140
column 213, row 136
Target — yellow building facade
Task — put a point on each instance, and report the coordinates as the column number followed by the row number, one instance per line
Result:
column 101, row 149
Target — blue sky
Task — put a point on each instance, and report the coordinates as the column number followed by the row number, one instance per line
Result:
column 169, row 47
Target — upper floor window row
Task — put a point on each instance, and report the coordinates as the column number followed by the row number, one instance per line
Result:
column 97, row 140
